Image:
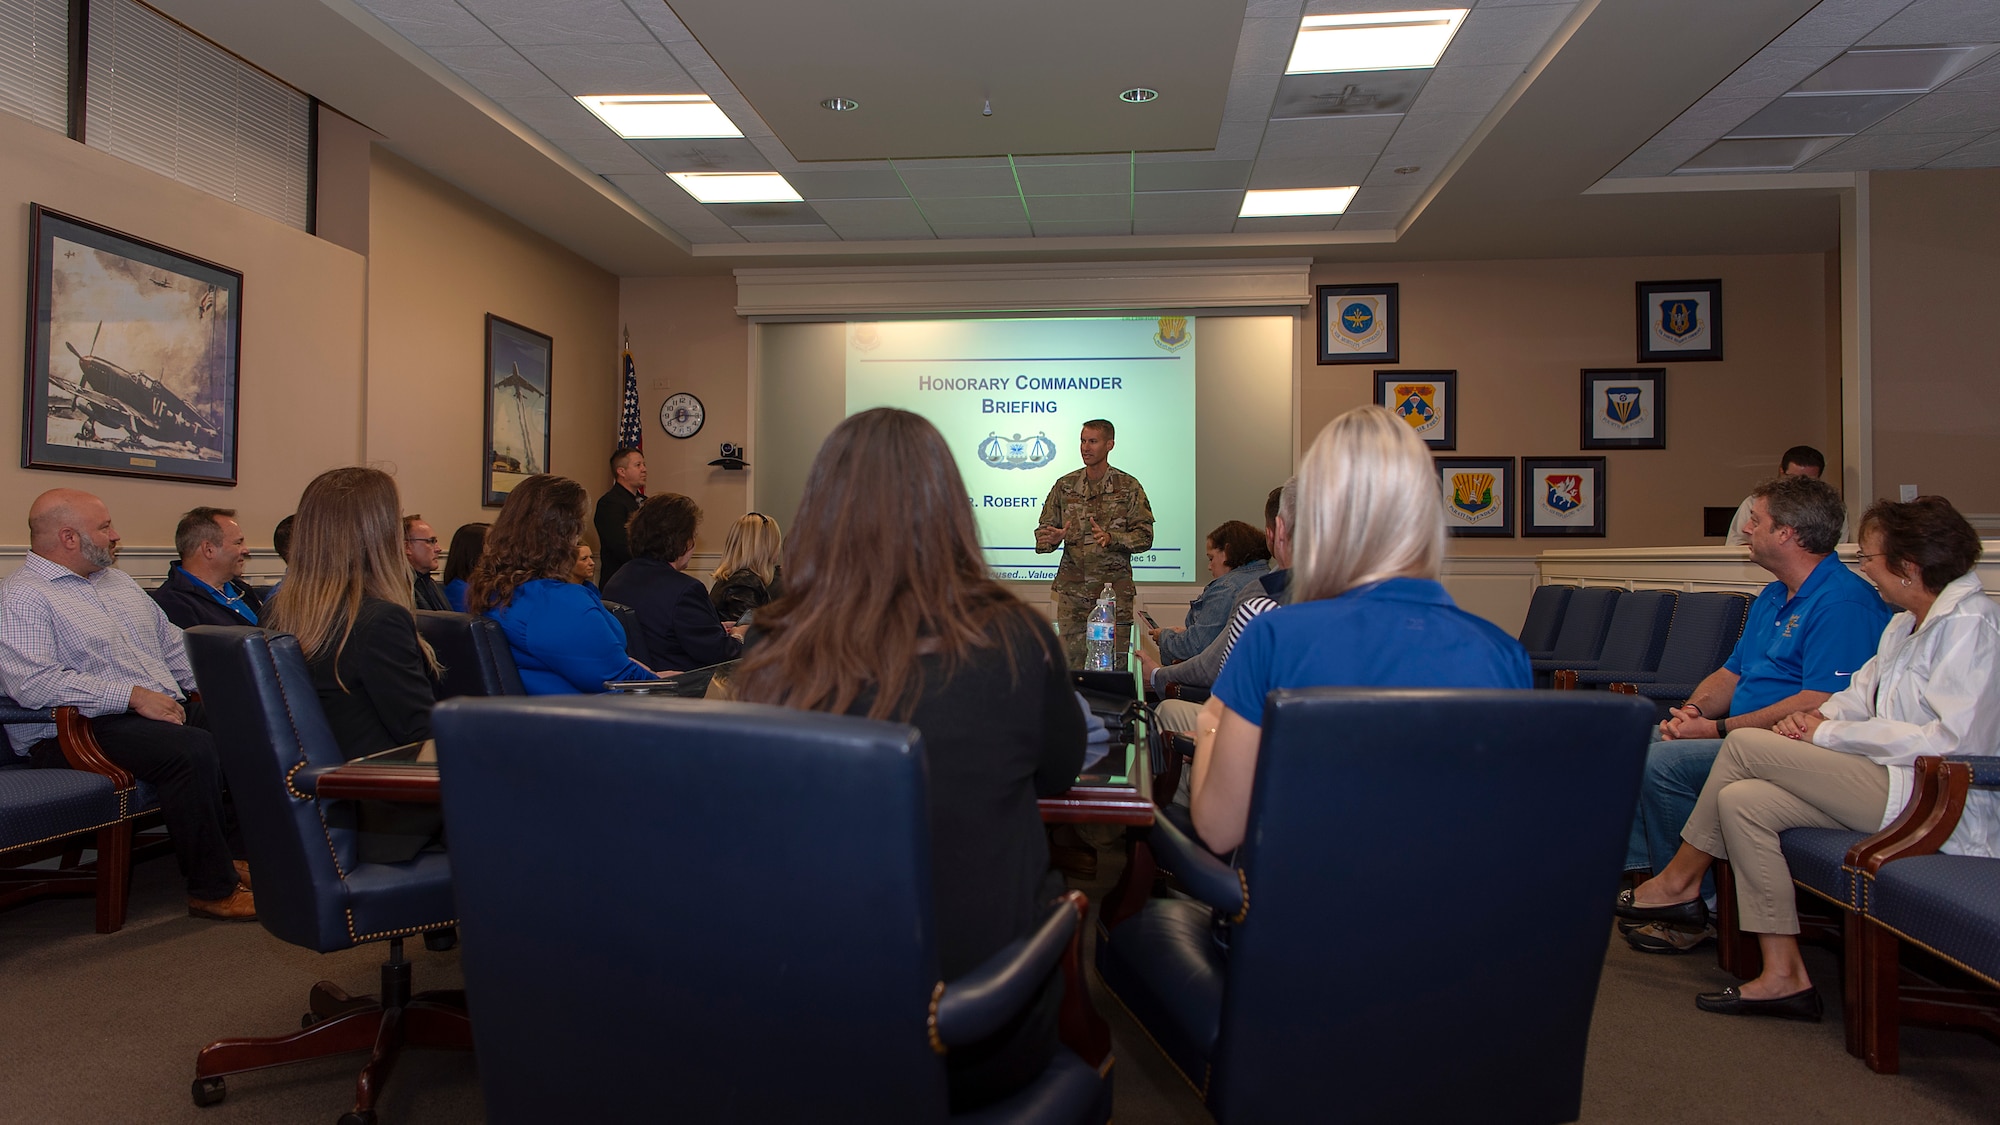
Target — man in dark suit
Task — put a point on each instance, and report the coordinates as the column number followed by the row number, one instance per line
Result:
column 614, row 511
column 420, row 546
column 206, row 586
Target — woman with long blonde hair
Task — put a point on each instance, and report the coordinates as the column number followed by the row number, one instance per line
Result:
column 922, row 634
column 1367, row 608
column 347, row 599
column 748, row 575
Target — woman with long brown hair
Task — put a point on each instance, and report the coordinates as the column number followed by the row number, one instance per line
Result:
column 889, row 611
column 347, row 599
column 564, row 641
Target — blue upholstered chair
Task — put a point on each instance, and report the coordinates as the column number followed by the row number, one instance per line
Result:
column 1366, row 804
column 57, row 811
column 312, row 889
column 1704, row 630
column 473, row 653
column 1635, row 639
column 793, row 979
column 1545, row 616
column 1585, row 621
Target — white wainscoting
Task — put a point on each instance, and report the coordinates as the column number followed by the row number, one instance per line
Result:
column 1497, row 589
column 1692, row 569
column 148, row 565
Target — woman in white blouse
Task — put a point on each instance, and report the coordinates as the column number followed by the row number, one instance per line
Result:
column 1932, row 688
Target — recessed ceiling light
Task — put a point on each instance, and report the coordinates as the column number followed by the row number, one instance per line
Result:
column 1138, row 95
column 736, row 187
column 840, row 105
column 1296, row 201
column 1893, row 70
column 660, row 115
column 1379, row 41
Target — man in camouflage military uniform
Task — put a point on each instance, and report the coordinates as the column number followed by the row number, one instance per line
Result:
column 1100, row 517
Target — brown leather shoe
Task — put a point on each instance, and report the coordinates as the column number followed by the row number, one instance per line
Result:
column 238, row 907
column 243, row 873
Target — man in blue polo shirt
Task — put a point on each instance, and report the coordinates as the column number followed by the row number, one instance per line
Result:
column 1805, row 635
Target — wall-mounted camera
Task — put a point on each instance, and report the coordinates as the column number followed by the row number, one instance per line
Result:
column 732, row 457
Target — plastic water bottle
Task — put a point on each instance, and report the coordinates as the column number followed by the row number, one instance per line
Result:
column 1103, row 626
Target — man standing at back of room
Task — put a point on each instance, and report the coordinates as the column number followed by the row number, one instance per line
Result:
column 614, row 511
column 1100, row 518
column 1798, row 461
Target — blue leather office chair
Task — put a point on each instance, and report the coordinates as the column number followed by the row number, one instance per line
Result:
column 473, row 652
column 635, row 637
column 1635, row 639
column 1703, row 632
column 312, row 890
column 1545, row 616
column 1585, row 621
column 792, row 977
column 1348, row 982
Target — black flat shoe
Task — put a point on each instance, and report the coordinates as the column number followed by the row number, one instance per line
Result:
column 1798, row 1006
column 1693, row 912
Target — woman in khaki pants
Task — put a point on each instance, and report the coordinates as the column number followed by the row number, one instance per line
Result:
column 1933, row 687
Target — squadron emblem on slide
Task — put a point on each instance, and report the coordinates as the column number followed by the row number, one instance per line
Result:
column 1017, row 452
column 1173, row 334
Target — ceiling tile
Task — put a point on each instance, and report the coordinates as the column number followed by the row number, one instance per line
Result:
column 663, row 23
column 983, row 230
column 1466, row 89
column 877, row 183
column 861, row 219
column 1838, row 115
column 987, row 209
column 948, row 163
column 1079, row 208
column 1191, row 175
column 1495, row 36
column 1370, row 220
column 499, row 72
column 1983, row 153
column 1838, row 23
column 1385, row 198
column 1274, row 9
column 1947, row 111
column 1265, row 44
column 607, row 155
column 1321, row 137
column 1286, row 223
column 1095, row 228
column 1332, row 172
column 1384, row 173
column 931, row 182
column 558, row 118
column 432, row 23
column 572, row 21
column 611, row 68
column 1217, row 209
column 1079, row 158
column 1075, row 179
column 740, row 215
column 1435, row 132
column 808, row 232
column 1250, row 96
column 718, row 154
column 1774, row 70
column 1888, row 153
column 1940, row 21
column 1348, row 94
column 675, row 207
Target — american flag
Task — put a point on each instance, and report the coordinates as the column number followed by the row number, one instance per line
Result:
column 631, row 435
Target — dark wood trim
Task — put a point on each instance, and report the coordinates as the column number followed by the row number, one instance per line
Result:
column 1081, row 1027
column 312, row 165
column 79, row 66
column 80, row 748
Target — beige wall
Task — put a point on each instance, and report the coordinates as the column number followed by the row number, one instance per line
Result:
column 686, row 336
column 1935, row 247
column 439, row 261
column 302, row 359
column 1520, row 332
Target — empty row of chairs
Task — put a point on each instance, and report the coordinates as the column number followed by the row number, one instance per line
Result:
column 1654, row 643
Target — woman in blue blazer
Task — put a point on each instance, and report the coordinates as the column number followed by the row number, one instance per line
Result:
column 564, row 641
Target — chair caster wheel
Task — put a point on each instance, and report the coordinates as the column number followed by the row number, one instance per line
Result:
column 207, row 1091
column 358, row 1117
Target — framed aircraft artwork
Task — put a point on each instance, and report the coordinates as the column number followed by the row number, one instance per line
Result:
column 519, row 363
column 134, row 354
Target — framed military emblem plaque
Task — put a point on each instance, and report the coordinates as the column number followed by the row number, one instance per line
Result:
column 1624, row 409
column 1478, row 494
column 1680, row 321
column 1562, row 496
column 1425, row 400
column 1358, row 324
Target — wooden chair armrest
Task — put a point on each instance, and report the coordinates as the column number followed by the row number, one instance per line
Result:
column 1940, row 788
column 1563, row 679
column 81, row 750
column 1623, row 688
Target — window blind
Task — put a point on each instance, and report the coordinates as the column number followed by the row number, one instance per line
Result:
column 169, row 100
column 34, row 61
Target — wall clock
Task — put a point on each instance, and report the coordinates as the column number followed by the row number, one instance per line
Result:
column 681, row 415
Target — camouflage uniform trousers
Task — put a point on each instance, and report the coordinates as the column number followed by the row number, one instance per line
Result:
column 1073, row 609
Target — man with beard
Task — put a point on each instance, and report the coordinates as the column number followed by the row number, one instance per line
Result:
column 76, row 631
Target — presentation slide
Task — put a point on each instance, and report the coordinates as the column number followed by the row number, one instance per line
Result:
column 1011, row 397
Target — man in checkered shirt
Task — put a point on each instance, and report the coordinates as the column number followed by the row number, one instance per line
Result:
column 76, row 631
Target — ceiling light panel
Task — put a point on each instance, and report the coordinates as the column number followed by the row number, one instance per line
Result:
column 1295, row 201
column 1775, row 154
column 660, row 115
column 1378, row 41
column 1883, row 70
column 1832, row 115
column 736, row 187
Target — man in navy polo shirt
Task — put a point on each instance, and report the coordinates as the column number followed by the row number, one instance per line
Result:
column 1805, row 635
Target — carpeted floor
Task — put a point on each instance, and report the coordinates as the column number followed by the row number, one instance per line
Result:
column 105, row 1029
